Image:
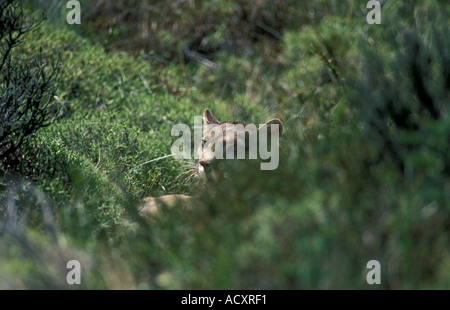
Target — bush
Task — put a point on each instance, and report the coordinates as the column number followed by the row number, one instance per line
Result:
column 26, row 89
column 167, row 30
column 405, row 112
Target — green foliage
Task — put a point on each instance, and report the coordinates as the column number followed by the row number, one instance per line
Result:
column 410, row 125
column 364, row 157
column 202, row 26
column 26, row 89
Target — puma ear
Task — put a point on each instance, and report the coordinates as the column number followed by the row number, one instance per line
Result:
column 208, row 118
column 272, row 127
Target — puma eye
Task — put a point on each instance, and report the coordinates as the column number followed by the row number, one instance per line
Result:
column 203, row 142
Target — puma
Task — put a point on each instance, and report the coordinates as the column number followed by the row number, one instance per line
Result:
column 232, row 135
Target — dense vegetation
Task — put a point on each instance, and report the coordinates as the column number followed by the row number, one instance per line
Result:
column 364, row 161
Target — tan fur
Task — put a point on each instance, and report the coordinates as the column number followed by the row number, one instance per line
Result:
column 151, row 205
column 233, row 135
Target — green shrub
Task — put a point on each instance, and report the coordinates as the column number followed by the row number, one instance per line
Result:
column 26, row 88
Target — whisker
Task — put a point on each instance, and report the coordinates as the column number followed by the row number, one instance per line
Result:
column 190, row 176
column 190, row 170
column 155, row 159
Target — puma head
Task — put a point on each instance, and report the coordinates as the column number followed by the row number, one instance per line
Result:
column 229, row 137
